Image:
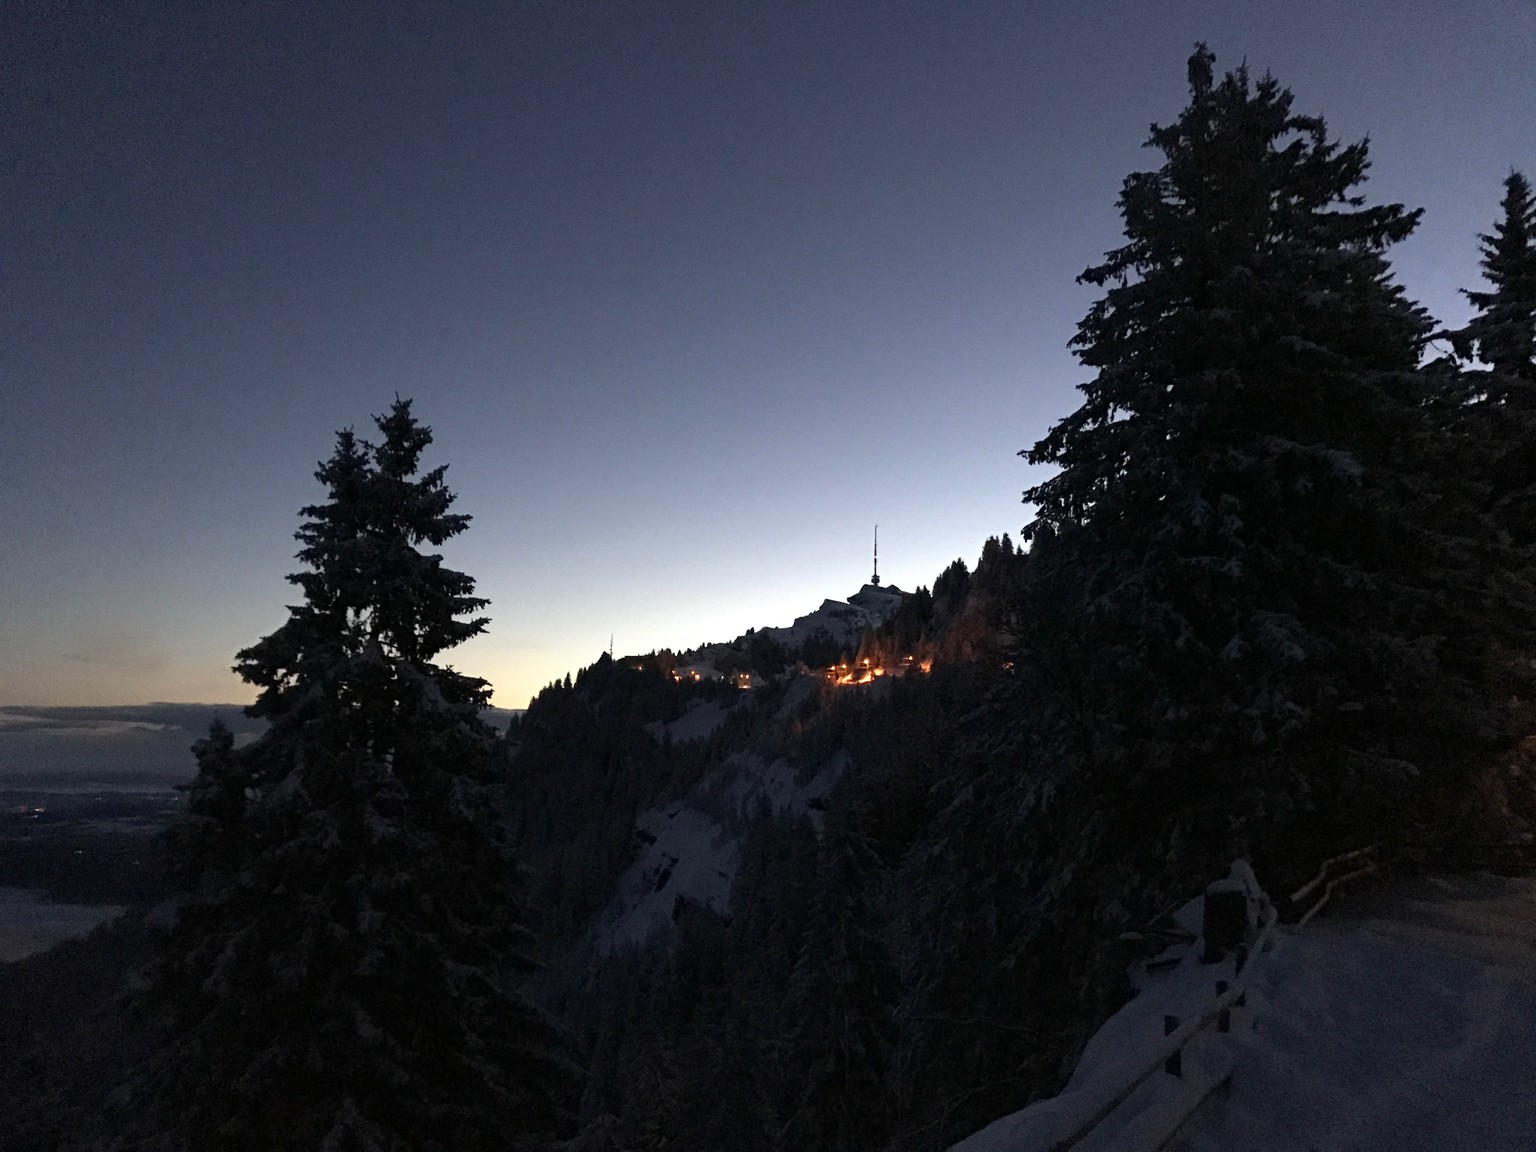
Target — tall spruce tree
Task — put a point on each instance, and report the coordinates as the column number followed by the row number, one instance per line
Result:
column 1503, row 333
column 341, row 972
column 1500, row 412
column 1247, row 523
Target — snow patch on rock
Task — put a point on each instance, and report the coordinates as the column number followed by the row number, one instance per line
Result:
column 746, row 779
column 703, row 718
column 686, row 855
column 844, row 620
column 691, row 849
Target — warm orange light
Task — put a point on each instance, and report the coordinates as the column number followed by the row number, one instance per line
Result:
column 858, row 676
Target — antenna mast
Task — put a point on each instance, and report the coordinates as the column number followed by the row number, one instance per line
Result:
column 875, row 579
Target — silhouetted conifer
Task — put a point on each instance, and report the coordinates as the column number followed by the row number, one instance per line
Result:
column 951, row 588
column 1503, row 333
column 342, row 969
column 1498, row 417
column 1250, row 512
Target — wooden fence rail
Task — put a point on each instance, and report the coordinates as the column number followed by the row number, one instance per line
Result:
column 1107, row 1093
column 1102, row 1095
column 1080, row 1113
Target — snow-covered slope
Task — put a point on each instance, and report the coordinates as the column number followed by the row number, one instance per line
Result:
column 688, row 854
column 691, row 848
column 702, row 718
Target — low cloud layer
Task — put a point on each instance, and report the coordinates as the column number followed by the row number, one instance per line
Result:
column 150, row 744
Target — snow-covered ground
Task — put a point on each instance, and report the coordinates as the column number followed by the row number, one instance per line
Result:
column 30, row 923
column 1406, row 1023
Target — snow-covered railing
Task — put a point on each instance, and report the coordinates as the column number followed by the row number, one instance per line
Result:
column 1375, row 859
column 1121, row 1102
column 1076, row 1116
column 1106, row 1093
column 1329, row 878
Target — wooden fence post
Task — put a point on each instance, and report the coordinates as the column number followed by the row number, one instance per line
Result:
column 1174, row 1065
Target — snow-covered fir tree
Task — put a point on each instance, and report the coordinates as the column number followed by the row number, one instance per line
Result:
column 1497, row 350
column 1503, row 333
column 1250, row 512
column 342, row 970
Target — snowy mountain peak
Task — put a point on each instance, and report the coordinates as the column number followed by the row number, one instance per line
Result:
column 843, row 620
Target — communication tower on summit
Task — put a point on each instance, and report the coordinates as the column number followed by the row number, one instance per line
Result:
column 875, row 579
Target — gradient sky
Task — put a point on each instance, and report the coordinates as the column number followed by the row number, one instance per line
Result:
column 692, row 295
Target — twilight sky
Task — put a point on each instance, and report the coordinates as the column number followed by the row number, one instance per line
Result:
column 692, row 295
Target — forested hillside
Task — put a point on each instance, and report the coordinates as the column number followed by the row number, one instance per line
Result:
column 821, row 996
column 1275, row 602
